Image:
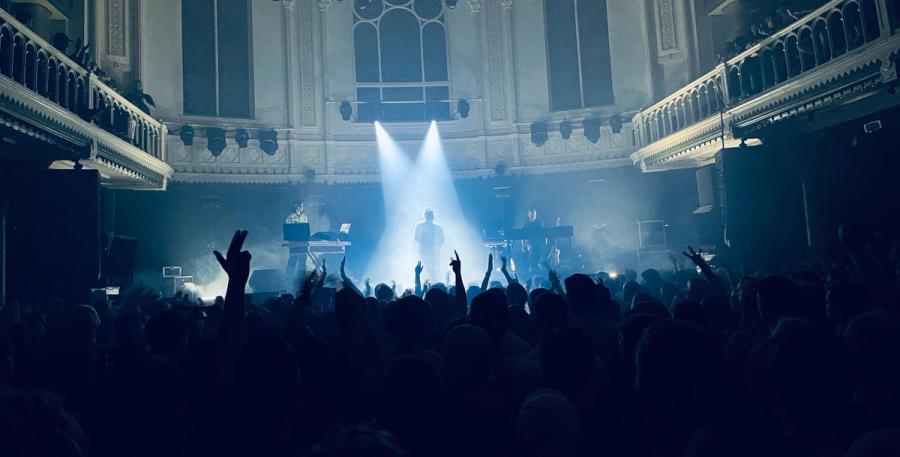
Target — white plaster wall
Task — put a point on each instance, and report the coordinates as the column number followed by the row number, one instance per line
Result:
column 324, row 50
column 340, row 73
column 630, row 54
column 269, row 62
column 530, row 58
column 160, row 55
column 629, row 58
column 464, row 51
column 161, row 60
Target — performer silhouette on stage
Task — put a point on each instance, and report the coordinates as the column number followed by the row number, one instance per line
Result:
column 430, row 237
column 534, row 248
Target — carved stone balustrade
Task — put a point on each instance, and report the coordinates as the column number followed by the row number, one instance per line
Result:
column 846, row 48
column 43, row 90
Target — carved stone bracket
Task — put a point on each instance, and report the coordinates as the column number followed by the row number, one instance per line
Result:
column 506, row 3
column 288, row 3
column 324, row 4
column 474, row 6
column 889, row 67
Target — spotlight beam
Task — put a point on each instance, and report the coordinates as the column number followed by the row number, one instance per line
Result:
column 408, row 190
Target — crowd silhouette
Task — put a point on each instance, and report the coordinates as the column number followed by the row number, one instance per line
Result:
column 698, row 362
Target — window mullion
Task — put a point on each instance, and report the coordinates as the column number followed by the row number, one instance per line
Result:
column 216, row 52
column 422, row 67
column 378, row 48
column 578, row 54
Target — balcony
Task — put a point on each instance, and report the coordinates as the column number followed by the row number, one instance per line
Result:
column 63, row 114
column 843, row 53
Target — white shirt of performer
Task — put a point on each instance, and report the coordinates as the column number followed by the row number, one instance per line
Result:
column 430, row 237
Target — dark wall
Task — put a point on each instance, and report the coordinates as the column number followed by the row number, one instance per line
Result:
column 787, row 199
column 853, row 175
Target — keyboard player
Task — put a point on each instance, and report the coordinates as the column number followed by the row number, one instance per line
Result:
column 297, row 257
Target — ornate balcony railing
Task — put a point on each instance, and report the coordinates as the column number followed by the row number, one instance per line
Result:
column 27, row 59
column 827, row 34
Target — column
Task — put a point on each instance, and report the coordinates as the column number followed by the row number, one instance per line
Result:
column 292, row 78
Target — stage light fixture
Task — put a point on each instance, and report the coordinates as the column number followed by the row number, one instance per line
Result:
column 187, row 135
column 309, row 174
column 539, row 133
column 565, row 130
column 500, row 168
column 242, row 137
column 592, row 129
column 268, row 141
column 346, row 111
column 215, row 140
column 615, row 123
column 462, row 107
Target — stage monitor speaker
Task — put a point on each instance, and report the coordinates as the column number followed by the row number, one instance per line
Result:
column 763, row 210
column 119, row 265
column 708, row 227
column 706, row 187
column 268, row 280
column 55, row 236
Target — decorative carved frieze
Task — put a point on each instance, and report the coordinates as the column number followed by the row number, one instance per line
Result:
column 666, row 27
column 496, row 86
column 474, row 6
column 357, row 160
column 116, row 41
column 307, row 66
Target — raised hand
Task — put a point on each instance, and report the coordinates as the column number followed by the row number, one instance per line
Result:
column 324, row 268
column 555, row 284
column 236, row 262
column 696, row 257
column 485, row 283
column 509, row 279
column 312, row 279
column 419, row 268
column 455, row 264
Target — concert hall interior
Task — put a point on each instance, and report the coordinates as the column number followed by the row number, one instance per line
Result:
column 631, row 228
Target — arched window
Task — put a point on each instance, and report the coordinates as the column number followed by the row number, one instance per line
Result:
column 578, row 54
column 401, row 60
column 216, row 58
